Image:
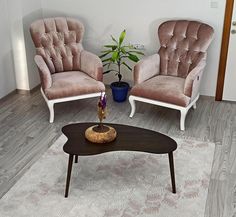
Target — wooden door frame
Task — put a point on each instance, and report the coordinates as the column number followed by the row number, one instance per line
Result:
column 224, row 49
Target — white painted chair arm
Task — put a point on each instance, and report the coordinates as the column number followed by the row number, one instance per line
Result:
column 146, row 68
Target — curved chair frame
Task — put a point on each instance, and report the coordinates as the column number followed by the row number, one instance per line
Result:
column 183, row 110
column 50, row 103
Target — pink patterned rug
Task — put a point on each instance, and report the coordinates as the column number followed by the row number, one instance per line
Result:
column 124, row 184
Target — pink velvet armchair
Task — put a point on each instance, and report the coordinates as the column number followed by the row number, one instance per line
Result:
column 171, row 78
column 66, row 70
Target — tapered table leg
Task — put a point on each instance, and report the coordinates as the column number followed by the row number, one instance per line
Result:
column 70, row 163
column 76, row 158
column 172, row 171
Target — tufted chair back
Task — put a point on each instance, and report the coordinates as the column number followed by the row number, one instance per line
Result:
column 183, row 45
column 58, row 41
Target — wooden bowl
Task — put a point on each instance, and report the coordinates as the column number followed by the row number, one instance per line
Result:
column 100, row 135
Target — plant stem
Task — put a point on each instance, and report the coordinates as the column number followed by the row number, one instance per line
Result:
column 101, row 125
column 119, row 70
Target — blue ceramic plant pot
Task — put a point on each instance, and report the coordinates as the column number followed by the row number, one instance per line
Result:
column 119, row 91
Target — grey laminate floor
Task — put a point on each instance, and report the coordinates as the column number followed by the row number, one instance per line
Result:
column 25, row 135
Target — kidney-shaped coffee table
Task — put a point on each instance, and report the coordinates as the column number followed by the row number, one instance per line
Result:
column 128, row 139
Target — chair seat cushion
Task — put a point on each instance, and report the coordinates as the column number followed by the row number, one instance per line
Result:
column 72, row 83
column 163, row 88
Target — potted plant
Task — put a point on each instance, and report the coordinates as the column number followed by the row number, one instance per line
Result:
column 114, row 57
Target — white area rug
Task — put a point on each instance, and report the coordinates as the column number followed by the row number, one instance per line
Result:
column 126, row 184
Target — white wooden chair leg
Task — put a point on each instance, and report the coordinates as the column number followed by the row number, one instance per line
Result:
column 133, row 106
column 195, row 105
column 183, row 114
column 51, row 111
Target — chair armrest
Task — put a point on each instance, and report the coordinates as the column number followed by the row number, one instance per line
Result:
column 146, row 68
column 192, row 81
column 44, row 72
column 91, row 65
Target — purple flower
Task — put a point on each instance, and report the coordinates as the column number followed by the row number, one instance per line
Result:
column 102, row 101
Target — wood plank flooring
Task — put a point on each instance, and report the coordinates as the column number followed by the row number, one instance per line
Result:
column 25, row 134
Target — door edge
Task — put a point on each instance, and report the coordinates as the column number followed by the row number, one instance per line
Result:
column 224, row 49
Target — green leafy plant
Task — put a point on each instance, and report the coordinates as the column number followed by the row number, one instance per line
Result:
column 115, row 55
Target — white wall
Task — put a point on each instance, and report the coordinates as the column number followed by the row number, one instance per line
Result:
column 18, row 44
column 17, row 68
column 7, row 77
column 19, row 15
column 141, row 18
column 101, row 18
column 31, row 11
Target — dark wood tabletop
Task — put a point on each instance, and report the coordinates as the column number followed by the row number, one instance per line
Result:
column 129, row 138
